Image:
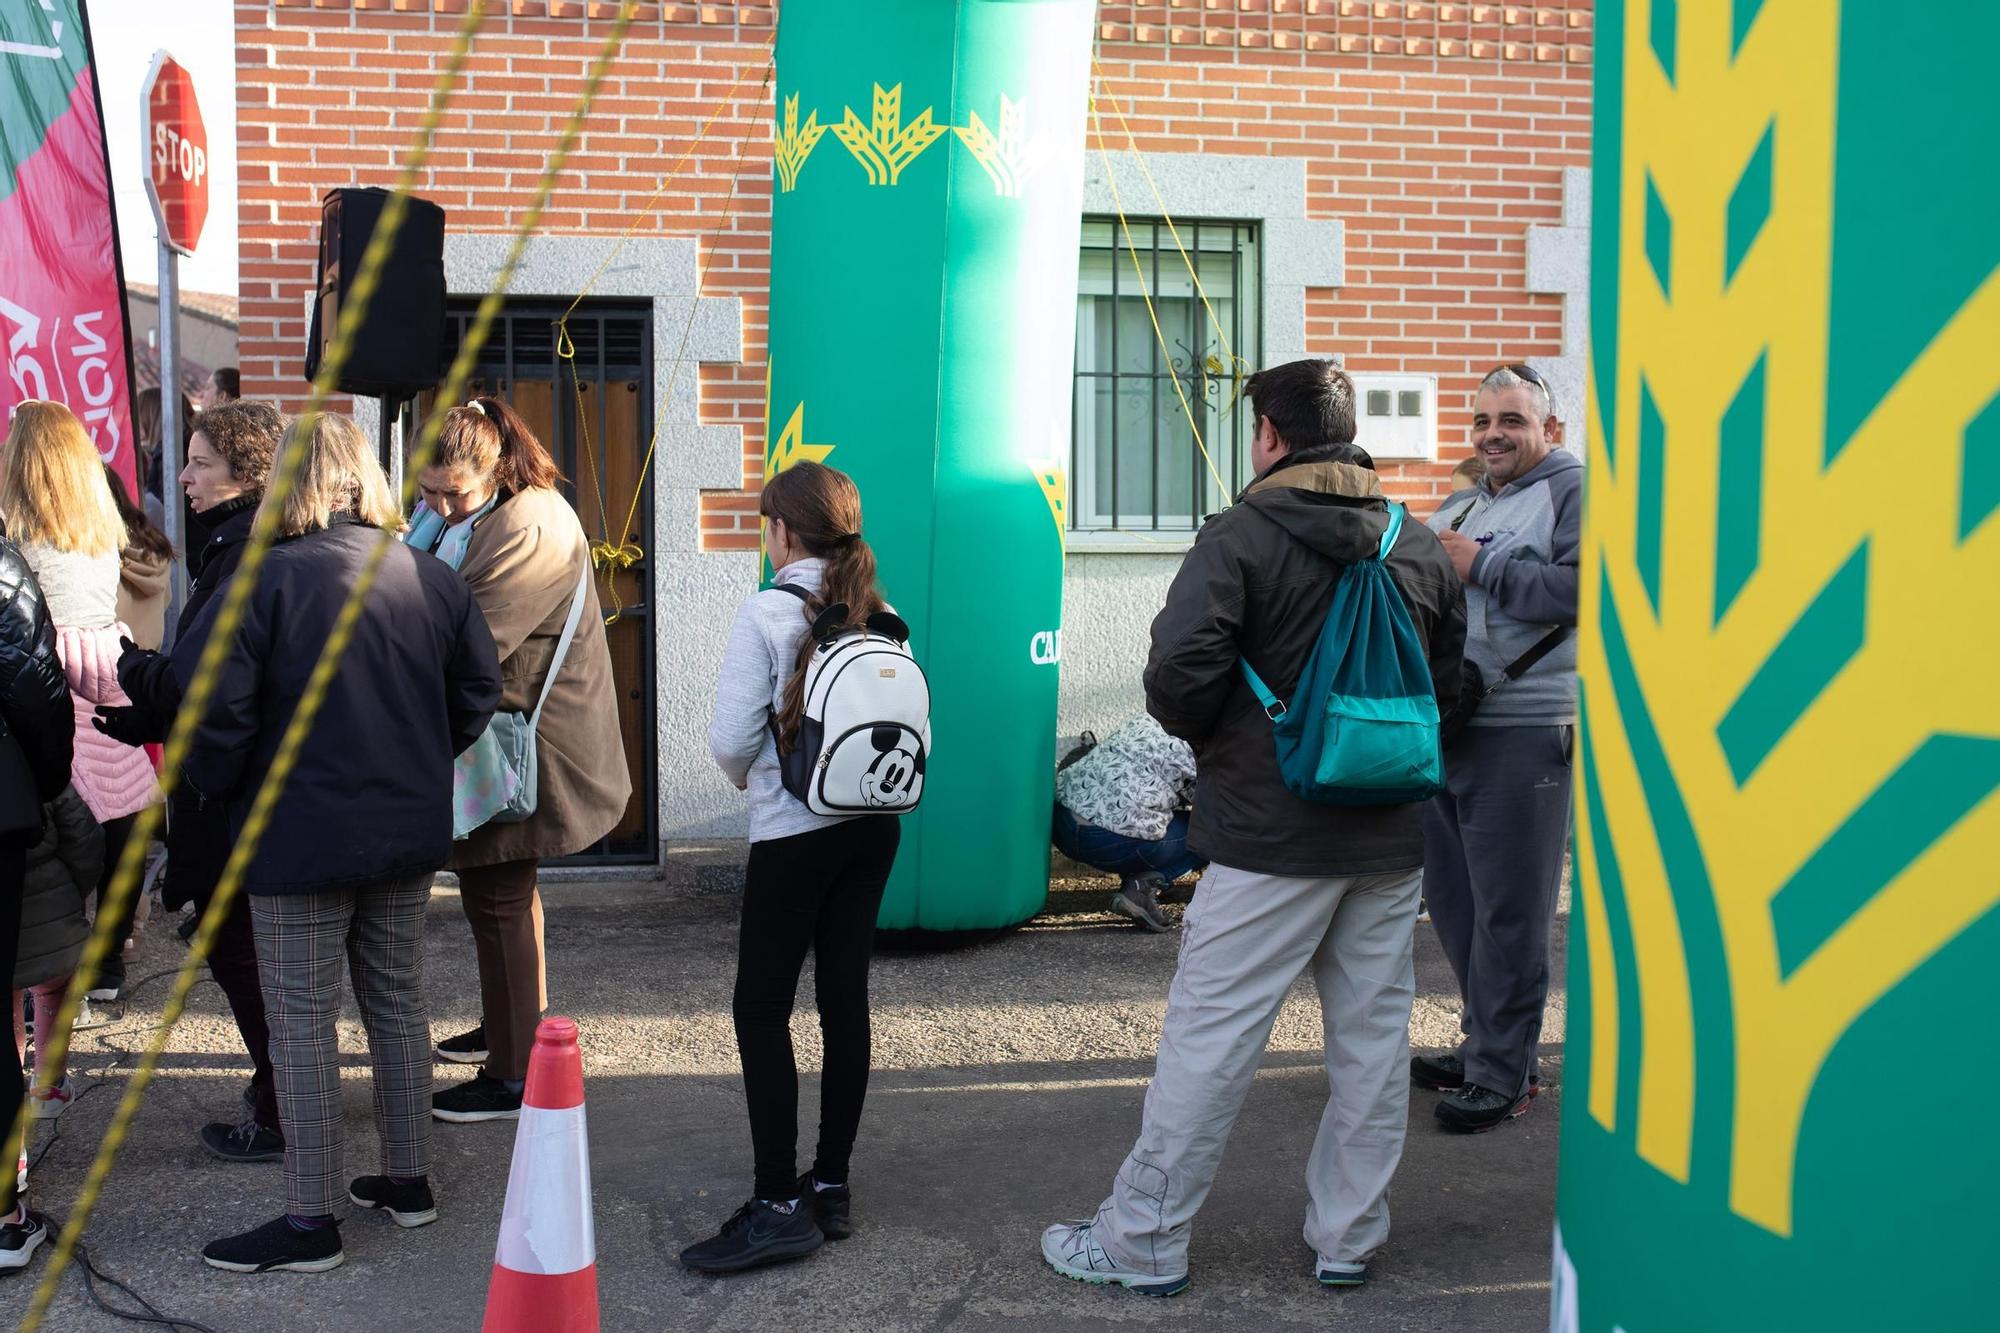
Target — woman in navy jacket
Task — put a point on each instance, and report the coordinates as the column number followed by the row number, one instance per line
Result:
column 343, row 870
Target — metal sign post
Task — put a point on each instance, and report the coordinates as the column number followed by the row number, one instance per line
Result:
column 176, row 145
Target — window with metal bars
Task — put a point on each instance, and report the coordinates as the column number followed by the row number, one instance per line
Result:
column 1135, row 462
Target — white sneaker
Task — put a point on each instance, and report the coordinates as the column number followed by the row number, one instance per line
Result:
column 87, row 1017
column 20, row 1240
column 48, row 1103
column 1073, row 1251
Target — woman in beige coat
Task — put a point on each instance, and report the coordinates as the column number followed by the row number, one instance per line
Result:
column 491, row 510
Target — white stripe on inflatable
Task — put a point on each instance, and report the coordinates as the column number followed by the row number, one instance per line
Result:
column 547, row 1225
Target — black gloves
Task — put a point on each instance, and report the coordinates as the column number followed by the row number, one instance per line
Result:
column 128, row 726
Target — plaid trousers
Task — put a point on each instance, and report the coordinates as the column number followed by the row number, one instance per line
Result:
column 301, row 938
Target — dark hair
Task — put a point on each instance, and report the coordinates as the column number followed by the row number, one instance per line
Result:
column 821, row 508
column 149, row 421
column 247, row 434
column 489, row 439
column 230, row 382
column 140, row 534
column 1310, row 404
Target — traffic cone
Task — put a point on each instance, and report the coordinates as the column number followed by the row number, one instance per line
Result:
column 545, row 1267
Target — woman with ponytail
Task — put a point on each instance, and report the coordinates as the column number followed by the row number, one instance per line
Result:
column 491, row 511
column 813, row 882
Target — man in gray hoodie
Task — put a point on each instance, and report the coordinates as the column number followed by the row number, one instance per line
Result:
column 1493, row 841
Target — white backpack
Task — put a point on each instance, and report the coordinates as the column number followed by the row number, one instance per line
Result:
column 865, row 735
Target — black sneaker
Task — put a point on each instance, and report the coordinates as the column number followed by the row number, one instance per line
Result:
column 1474, row 1110
column 408, row 1205
column 480, row 1098
column 758, row 1233
column 467, row 1048
column 832, row 1207
column 1444, row 1072
column 247, row 1142
column 20, row 1240
column 1139, row 898
column 110, row 984
column 278, row 1246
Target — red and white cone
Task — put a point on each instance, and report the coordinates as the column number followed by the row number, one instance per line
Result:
column 545, row 1267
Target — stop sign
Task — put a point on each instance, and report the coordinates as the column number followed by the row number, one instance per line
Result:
column 177, row 152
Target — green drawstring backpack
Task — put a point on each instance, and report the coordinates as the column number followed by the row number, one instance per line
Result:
column 1366, row 732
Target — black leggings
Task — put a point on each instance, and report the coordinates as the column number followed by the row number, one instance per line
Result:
column 820, row 891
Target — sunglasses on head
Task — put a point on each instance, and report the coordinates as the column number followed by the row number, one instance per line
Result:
column 1528, row 373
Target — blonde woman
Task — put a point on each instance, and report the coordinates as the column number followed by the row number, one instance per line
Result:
column 60, row 512
column 491, row 511
column 343, row 871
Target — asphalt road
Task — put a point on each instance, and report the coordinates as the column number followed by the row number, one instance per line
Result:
column 1008, row 1087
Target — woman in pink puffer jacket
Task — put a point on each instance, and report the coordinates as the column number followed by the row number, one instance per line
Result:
column 61, row 513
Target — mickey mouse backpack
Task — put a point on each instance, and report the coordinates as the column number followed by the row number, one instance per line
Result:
column 865, row 734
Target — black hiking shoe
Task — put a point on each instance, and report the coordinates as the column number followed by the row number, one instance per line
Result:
column 1443, row 1072
column 247, row 1142
column 481, row 1098
column 467, row 1048
column 1474, row 1110
column 832, row 1207
column 408, row 1205
column 758, row 1233
column 278, row 1246
column 1139, row 898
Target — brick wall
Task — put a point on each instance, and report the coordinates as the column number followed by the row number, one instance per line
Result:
column 1437, row 132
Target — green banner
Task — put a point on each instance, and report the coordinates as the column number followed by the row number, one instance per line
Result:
column 929, row 164
column 1779, row 1065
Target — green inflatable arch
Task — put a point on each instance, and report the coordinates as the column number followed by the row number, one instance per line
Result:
column 924, row 232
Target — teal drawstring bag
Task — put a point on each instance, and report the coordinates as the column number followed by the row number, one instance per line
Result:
column 1362, row 728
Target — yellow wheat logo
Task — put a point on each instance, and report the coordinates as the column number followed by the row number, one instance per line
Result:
column 885, row 145
column 1054, row 482
column 795, row 143
column 1007, row 156
column 1787, row 800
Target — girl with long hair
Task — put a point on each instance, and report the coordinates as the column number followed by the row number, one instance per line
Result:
column 491, row 511
column 813, row 882
column 61, row 513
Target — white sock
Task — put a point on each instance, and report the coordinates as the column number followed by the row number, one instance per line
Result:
column 821, row 1187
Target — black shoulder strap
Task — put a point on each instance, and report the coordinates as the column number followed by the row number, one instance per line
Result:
column 1543, row 646
column 794, row 589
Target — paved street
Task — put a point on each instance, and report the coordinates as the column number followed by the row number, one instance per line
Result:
column 1008, row 1088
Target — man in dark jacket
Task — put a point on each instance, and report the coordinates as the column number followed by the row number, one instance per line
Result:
column 1494, row 839
column 1293, row 884
column 228, row 462
column 37, row 735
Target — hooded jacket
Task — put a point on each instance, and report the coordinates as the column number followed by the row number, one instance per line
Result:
column 1257, row 585
column 1524, row 583
column 63, row 869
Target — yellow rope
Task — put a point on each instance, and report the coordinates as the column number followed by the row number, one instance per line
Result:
column 1236, row 365
column 224, row 632
column 608, row 555
column 1125, row 226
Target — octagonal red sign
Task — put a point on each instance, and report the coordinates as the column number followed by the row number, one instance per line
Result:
column 177, row 153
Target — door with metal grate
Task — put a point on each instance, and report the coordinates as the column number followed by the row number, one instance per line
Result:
column 594, row 411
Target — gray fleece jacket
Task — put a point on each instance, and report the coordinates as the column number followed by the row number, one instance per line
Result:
column 1524, row 581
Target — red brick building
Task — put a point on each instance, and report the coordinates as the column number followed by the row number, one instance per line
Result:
column 1402, row 185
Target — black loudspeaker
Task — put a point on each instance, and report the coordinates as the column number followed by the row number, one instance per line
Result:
column 397, row 352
